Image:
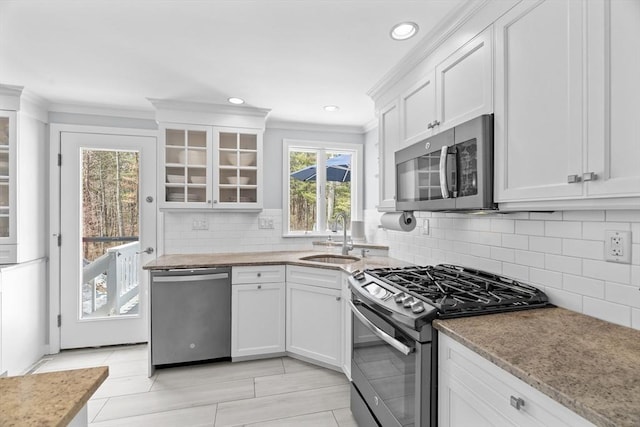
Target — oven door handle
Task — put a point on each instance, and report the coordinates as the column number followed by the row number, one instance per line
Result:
column 402, row 348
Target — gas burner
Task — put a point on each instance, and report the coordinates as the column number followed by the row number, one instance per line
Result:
column 459, row 291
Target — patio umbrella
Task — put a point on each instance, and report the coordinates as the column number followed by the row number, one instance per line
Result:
column 338, row 169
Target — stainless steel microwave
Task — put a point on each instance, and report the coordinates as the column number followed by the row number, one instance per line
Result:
column 450, row 171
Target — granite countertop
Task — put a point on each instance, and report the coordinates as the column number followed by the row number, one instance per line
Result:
column 49, row 399
column 588, row 365
column 166, row 262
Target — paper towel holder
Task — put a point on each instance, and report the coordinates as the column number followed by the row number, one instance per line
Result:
column 408, row 218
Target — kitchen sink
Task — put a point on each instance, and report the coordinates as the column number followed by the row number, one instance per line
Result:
column 331, row 258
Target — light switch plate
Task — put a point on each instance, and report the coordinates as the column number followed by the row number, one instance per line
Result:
column 265, row 222
column 425, row 226
column 617, row 246
column 200, row 224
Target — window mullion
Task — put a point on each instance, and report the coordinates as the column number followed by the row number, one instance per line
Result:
column 321, row 203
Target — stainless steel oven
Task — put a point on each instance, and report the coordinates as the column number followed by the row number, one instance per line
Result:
column 394, row 346
column 393, row 378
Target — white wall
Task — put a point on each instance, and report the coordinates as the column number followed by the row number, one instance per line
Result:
column 562, row 253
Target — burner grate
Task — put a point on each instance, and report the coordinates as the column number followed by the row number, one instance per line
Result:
column 459, row 291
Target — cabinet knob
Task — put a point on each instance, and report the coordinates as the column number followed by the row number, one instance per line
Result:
column 572, row 179
column 436, row 123
column 589, row 176
column 259, row 286
column 517, row 402
column 338, row 298
column 215, row 201
column 259, row 274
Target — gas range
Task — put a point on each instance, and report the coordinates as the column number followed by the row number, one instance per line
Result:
column 418, row 294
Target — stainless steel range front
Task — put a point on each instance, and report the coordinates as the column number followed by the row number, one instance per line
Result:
column 394, row 353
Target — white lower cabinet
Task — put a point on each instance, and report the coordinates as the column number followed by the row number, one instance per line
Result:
column 257, row 311
column 474, row 391
column 314, row 323
column 315, row 311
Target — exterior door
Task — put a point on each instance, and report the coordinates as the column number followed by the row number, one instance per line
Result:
column 108, row 220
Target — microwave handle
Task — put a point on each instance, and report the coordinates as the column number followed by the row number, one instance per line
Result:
column 444, row 185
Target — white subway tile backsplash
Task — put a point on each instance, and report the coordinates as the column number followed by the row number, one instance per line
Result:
column 635, row 275
column 502, row 225
column 595, row 230
column 552, row 245
column 546, row 278
column 623, row 216
column 623, row 294
column 635, row 318
column 635, row 232
column 515, row 271
column 562, row 263
column 532, row 259
column 568, row 300
column 583, row 248
column 533, row 228
column 635, row 254
column 607, row 271
column 515, row 241
column 611, row 312
column 583, row 286
column 583, row 216
column 567, row 229
column 503, row 254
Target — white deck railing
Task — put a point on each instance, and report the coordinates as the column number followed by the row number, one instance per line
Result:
column 118, row 267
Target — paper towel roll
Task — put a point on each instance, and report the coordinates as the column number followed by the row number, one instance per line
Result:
column 400, row 221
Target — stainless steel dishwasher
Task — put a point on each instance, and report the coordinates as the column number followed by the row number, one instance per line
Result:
column 190, row 315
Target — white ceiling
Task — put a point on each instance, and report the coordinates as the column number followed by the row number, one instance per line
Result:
column 290, row 56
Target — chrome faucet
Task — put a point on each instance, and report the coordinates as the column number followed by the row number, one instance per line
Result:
column 346, row 245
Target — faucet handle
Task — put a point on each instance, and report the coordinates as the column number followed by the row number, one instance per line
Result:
column 363, row 252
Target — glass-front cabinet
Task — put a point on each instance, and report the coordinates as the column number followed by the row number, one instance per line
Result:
column 210, row 167
column 7, row 202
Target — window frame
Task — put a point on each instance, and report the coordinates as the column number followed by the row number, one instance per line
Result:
column 322, row 147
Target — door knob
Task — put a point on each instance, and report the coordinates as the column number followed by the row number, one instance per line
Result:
column 148, row 251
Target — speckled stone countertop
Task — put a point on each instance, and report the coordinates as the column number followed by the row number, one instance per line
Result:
column 588, row 365
column 165, row 262
column 49, row 399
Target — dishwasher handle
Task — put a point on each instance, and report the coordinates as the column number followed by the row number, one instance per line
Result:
column 190, row 278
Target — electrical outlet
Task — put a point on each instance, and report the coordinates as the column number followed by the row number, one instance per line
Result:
column 265, row 222
column 617, row 246
column 425, row 226
column 200, row 224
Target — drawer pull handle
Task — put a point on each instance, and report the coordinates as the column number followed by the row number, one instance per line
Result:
column 517, row 402
column 572, row 179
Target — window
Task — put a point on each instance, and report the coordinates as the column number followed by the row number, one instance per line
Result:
column 321, row 180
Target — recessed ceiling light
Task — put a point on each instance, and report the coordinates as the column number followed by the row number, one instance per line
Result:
column 331, row 108
column 236, row 101
column 404, row 30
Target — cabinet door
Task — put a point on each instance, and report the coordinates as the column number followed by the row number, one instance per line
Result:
column 8, row 139
column 418, row 111
column 185, row 179
column 389, row 129
column 314, row 323
column 614, row 98
column 539, row 101
column 464, row 83
column 257, row 319
column 238, row 160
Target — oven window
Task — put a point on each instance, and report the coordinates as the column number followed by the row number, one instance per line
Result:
column 389, row 372
column 419, row 179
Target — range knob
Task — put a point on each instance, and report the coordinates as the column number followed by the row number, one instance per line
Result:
column 408, row 302
column 417, row 307
column 400, row 296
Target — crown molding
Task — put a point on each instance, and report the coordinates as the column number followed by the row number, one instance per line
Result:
column 314, row 127
column 200, row 107
column 94, row 110
column 428, row 44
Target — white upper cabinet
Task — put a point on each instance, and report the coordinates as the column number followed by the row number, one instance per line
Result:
column 613, row 63
column 459, row 88
column 418, row 110
column 567, row 129
column 539, row 98
column 215, row 163
column 389, row 133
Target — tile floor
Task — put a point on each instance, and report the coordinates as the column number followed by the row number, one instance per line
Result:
column 263, row 393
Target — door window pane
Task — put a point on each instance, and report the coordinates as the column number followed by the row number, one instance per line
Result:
column 110, row 230
column 338, row 189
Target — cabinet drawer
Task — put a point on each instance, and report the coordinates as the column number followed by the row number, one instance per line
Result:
column 314, row 276
column 258, row 274
column 495, row 388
